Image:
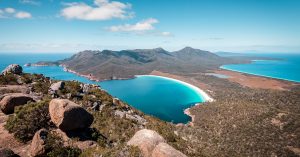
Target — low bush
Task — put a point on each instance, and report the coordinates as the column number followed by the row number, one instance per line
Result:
column 41, row 87
column 28, row 119
column 9, row 79
column 54, row 147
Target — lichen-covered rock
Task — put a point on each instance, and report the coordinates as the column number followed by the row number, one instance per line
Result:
column 56, row 86
column 37, row 146
column 9, row 102
column 12, row 69
column 146, row 140
column 165, row 150
column 67, row 115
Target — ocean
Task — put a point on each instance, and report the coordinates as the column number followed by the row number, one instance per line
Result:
column 160, row 97
column 285, row 66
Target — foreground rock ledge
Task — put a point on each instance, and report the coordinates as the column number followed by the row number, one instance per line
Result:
column 67, row 115
column 152, row 144
column 9, row 102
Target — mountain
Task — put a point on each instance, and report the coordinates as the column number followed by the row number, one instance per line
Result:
column 109, row 64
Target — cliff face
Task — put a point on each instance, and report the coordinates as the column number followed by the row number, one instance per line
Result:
column 127, row 63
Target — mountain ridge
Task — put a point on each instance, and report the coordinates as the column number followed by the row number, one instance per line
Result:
column 109, row 64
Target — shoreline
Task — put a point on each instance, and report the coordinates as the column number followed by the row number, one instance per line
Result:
column 255, row 81
column 203, row 94
column 195, row 84
column 178, row 79
column 90, row 77
column 259, row 75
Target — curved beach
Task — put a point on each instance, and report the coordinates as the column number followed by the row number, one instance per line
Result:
column 203, row 94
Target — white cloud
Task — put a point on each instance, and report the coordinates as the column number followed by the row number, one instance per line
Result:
column 31, row 2
column 9, row 10
column 166, row 34
column 23, row 15
column 102, row 10
column 145, row 25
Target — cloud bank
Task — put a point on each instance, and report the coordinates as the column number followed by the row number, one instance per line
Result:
column 102, row 10
column 11, row 12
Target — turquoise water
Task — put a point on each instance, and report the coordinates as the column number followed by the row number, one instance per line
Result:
column 161, row 97
column 282, row 66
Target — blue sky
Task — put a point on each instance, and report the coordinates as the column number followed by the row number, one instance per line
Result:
column 215, row 25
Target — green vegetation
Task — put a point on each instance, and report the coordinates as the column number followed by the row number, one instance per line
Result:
column 121, row 150
column 28, row 119
column 54, row 147
column 72, row 87
column 9, row 79
column 242, row 123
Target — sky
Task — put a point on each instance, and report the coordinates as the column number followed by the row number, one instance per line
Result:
column 214, row 25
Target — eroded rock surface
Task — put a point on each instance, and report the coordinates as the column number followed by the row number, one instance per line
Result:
column 151, row 144
column 9, row 102
column 146, row 140
column 37, row 146
column 67, row 115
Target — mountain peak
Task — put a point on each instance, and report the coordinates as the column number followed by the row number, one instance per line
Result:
column 188, row 49
column 159, row 49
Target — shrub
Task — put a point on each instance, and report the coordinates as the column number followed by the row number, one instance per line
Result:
column 9, row 79
column 29, row 119
column 64, row 152
column 54, row 147
column 27, row 78
column 72, row 87
column 41, row 87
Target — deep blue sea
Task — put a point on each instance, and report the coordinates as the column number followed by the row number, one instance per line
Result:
column 163, row 98
column 281, row 66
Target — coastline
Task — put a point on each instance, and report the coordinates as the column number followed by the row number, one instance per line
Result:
column 259, row 75
column 172, row 77
column 255, row 81
column 203, row 94
column 194, row 83
column 90, row 77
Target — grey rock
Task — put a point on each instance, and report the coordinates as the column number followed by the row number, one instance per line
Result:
column 96, row 106
column 57, row 86
column 12, row 69
column 121, row 114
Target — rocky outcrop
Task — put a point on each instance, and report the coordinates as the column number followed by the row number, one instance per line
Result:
column 67, row 115
column 56, row 86
column 152, row 144
column 37, row 146
column 165, row 150
column 9, row 102
column 12, row 69
column 146, row 140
